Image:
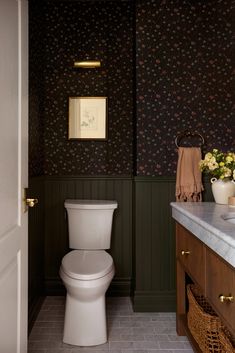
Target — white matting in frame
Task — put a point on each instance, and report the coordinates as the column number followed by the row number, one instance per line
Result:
column 87, row 118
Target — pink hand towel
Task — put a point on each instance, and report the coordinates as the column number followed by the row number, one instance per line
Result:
column 189, row 177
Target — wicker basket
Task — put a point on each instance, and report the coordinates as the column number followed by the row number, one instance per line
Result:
column 227, row 341
column 203, row 322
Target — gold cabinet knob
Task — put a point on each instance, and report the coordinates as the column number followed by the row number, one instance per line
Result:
column 31, row 202
column 185, row 252
column 224, row 298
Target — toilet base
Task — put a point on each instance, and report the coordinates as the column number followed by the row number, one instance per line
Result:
column 85, row 322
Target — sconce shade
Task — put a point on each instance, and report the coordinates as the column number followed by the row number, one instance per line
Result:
column 89, row 64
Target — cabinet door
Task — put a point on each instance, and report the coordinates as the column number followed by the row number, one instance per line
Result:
column 191, row 253
column 220, row 280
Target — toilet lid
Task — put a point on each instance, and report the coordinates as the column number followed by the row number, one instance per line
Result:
column 90, row 204
column 87, row 265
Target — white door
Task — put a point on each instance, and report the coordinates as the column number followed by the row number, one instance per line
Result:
column 13, row 175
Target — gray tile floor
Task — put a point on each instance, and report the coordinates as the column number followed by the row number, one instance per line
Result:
column 128, row 332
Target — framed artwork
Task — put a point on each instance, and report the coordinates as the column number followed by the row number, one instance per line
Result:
column 87, row 118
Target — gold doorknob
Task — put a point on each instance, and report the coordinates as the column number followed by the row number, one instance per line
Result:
column 185, row 252
column 31, row 202
column 224, row 298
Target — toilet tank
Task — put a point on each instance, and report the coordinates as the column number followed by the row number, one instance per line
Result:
column 90, row 223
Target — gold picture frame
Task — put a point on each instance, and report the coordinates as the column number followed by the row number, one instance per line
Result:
column 87, row 118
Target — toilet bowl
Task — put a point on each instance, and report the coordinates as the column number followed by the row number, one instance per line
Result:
column 86, row 276
column 87, row 271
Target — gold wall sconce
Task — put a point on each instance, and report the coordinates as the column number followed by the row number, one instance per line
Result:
column 88, row 64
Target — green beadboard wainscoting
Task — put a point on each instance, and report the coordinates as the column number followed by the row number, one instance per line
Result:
column 154, row 241
column 154, row 245
column 143, row 244
column 36, row 249
column 57, row 189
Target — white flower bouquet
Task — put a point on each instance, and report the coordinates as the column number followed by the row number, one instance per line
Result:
column 219, row 164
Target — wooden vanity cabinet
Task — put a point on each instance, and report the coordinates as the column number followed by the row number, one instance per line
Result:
column 191, row 254
column 220, row 287
column 202, row 266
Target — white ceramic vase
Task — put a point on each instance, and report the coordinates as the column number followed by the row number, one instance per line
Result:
column 222, row 189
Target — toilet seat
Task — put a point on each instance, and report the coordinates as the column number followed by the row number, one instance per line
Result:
column 87, row 265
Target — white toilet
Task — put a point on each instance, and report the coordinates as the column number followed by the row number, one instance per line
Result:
column 87, row 272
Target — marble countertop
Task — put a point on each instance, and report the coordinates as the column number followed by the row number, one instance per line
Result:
column 204, row 220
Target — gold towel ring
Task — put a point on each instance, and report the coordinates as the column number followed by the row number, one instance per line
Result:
column 188, row 133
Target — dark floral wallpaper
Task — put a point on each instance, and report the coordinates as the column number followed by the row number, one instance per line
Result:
column 184, row 78
column 36, row 91
column 76, row 31
column 176, row 57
